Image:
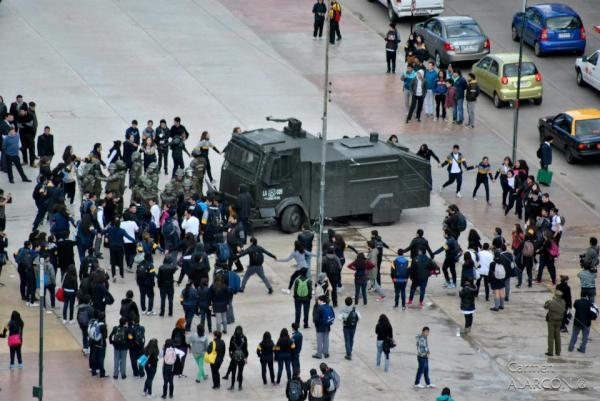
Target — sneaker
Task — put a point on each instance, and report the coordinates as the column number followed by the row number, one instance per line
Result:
column 435, row 119
column 421, row 305
column 270, row 291
column 431, row 385
column 35, row 304
column 71, row 321
column 348, row 357
column 474, row 198
column 286, row 291
column 452, row 285
column 404, row 308
column 419, row 386
column 48, row 312
column 13, row 366
column 317, row 356
column 380, row 299
column 151, row 313
column 458, row 195
column 64, row 321
column 340, row 289
column 410, row 302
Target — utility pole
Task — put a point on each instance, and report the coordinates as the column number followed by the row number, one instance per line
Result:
column 326, row 93
column 517, row 103
column 38, row 391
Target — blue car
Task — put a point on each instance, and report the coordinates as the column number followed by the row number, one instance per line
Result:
column 550, row 28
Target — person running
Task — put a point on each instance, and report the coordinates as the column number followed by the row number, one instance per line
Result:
column 451, row 250
column 198, row 346
column 467, row 302
column 423, row 359
column 265, row 352
column 399, row 275
column 169, row 354
column 283, row 354
column 319, row 10
column 385, row 340
column 302, row 268
column 392, row 38
column 152, row 353
column 14, row 332
column 455, row 162
column 256, row 260
column 349, row 317
column 483, row 171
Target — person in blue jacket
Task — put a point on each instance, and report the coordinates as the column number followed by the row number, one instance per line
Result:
column 431, row 75
column 460, row 83
column 545, row 153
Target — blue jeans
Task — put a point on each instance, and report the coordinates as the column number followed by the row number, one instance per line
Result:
column 189, row 316
column 360, row 286
column 400, row 290
column 422, row 286
column 423, row 369
column 386, row 363
column 287, row 362
column 585, row 331
column 458, row 112
column 349, row 339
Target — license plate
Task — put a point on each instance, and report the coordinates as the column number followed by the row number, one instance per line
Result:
column 524, row 84
column 422, row 12
column 564, row 35
column 468, row 48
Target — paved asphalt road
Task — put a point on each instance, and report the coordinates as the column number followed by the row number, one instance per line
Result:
column 560, row 89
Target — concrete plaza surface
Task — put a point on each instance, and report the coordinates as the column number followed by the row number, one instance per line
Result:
column 94, row 66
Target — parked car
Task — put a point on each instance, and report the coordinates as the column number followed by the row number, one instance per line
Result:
column 588, row 70
column 453, row 39
column 550, row 28
column 403, row 8
column 576, row 132
column 497, row 77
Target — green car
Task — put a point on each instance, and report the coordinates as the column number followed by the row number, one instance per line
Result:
column 497, row 77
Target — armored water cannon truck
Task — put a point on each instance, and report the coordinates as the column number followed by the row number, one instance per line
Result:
column 364, row 176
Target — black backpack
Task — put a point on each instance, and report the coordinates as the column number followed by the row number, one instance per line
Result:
column 331, row 266
column 352, row 319
column 139, row 335
column 295, row 391
column 256, row 258
column 461, row 223
column 120, row 336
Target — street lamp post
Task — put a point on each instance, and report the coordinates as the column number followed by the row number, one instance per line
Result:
column 38, row 391
column 326, row 93
column 517, row 103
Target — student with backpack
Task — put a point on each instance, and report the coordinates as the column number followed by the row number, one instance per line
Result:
column 136, row 338
column 169, row 355
column 349, row 317
column 331, row 381
column 265, row 352
column 323, row 318
column 238, row 352
column 295, row 389
column 452, row 252
column 118, row 338
column 497, row 276
column 302, row 298
column 284, row 349
column 97, row 334
column 400, row 275
column 385, row 340
column 165, row 282
column 129, row 309
column 189, row 301
column 421, row 268
column 180, row 343
column 361, row 266
column 548, row 252
column 314, row 387
column 255, row 263
column 85, row 314
column 332, row 267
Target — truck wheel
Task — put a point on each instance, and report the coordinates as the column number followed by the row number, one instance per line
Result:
column 291, row 219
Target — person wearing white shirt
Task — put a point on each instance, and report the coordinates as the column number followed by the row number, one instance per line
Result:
column 190, row 224
column 131, row 228
column 155, row 213
column 486, row 257
column 100, row 221
column 556, row 226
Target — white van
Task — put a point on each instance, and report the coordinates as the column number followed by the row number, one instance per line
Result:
column 403, row 8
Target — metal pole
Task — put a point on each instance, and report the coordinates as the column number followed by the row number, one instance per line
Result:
column 326, row 92
column 38, row 391
column 413, row 6
column 517, row 103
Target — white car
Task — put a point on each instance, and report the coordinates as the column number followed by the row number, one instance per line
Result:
column 588, row 70
column 403, row 8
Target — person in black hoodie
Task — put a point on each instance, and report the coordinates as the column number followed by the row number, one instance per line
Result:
column 392, row 38
column 418, row 243
column 256, row 259
column 179, row 342
column 161, row 139
column 136, row 338
column 467, row 302
column 563, row 287
column 98, row 347
column 45, row 144
column 265, row 354
column 585, row 312
column 129, row 309
column 238, row 352
column 219, row 345
column 165, row 284
column 319, row 9
column 284, row 350
column 243, row 207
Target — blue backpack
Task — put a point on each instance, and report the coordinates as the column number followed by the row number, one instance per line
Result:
column 328, row 315
column 401, row 266
column 234, row 282
column 223, row 252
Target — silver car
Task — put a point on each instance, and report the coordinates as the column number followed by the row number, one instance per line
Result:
column 454, row 39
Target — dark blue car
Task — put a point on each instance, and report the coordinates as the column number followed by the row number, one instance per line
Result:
column 550, row 28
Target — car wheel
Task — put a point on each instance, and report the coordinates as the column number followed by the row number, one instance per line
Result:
column 497, row 102
column 438, row 60
column 570, row 156
column 580, row 80
column 291, row 219
column 515, row 35
column 537, row 50
column 391, row 13
column 537, row 101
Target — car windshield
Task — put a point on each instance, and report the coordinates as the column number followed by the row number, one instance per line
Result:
column 567, row 22
column 463, row 30
column 527, row 68
column 584, row 128
column 242, row 158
